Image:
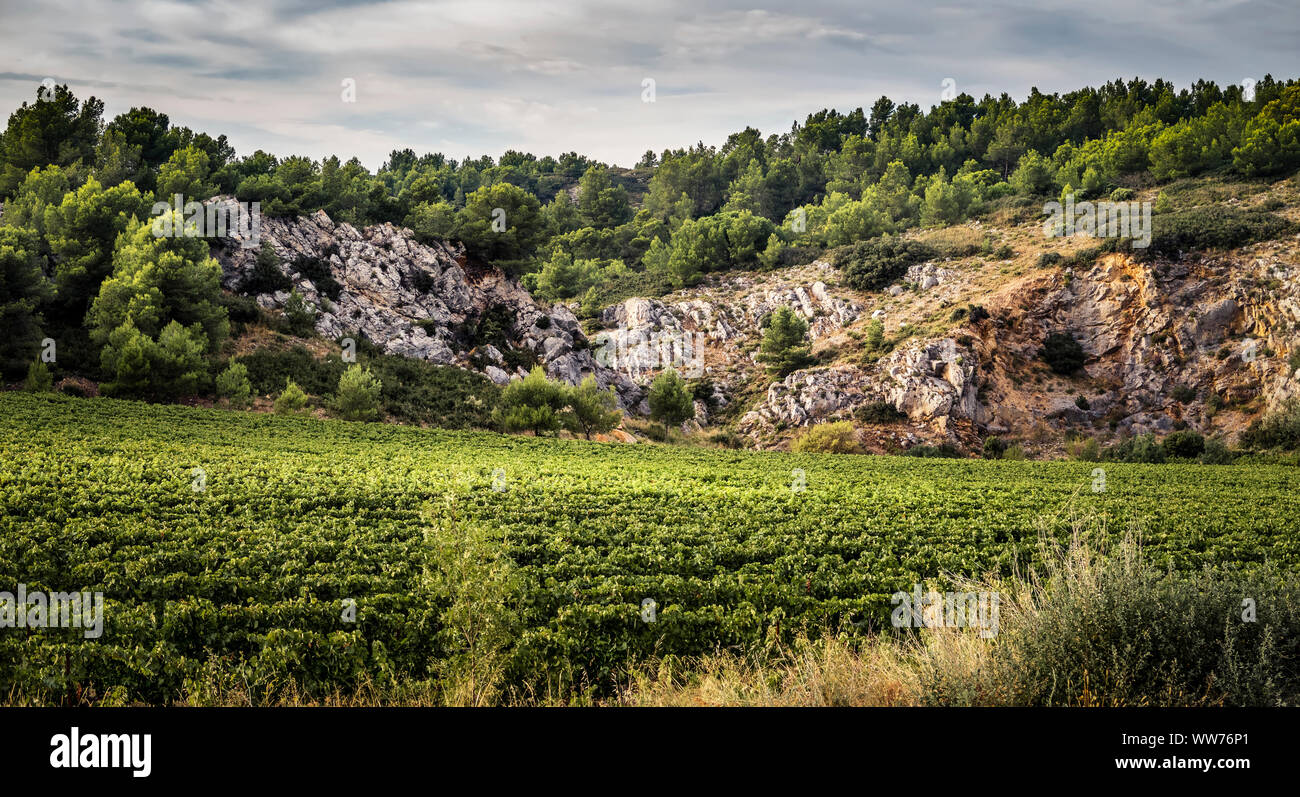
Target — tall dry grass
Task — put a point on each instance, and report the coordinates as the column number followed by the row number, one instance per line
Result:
column 1094, row 624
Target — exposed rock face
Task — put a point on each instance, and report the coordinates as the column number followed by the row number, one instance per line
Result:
column 930, row 382
column 1215, row 329
column 1206, row 325
column 648, row 336
column 1202, row 342
column 416, row 300
column 714, row 331
column 705, row 331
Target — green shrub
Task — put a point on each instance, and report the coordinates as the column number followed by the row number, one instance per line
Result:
column 1085, row 449
column 994, row 447
column 534, row 403
column 592, row 409
column 1277, row 429
column 268, row 370
column 233, row 385
column 623, row 286
column 945, row 450
column 1213, row 227
column 1081, row 401
column 39, row 379
column 1183, row 445
column 875, row 335
column 494, row 328
column 1104, row 627
column 291, row 400
column 1183, row 394
column 241, row 310
column 417, row 391
column 1143, row 448
column 727, row 439
column 879, row 412
column 357, row 398
column 670, row 400
column 300, row 317
column 73, row 389
column 1216, row 453
column 828, row 438
column 1121, row 195
column 703, row 390
column 1063, row 353
column 785, row 343
column 266, row 275
column 873, row 265
column 317, row 269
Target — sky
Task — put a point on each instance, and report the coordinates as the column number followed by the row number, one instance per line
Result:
column 472, row 78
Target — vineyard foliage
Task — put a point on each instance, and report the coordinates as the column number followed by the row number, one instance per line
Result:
column 244, row 576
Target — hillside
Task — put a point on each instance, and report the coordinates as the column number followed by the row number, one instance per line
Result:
column 1198, row 340
column 906, row 279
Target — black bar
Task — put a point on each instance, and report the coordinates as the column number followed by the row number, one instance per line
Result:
column 440, row 747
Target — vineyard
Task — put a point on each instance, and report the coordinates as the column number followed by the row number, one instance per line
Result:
column 264, row 550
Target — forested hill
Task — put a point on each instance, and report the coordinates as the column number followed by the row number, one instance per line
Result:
column 146, row 316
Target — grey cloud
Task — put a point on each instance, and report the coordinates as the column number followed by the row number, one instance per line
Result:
column 557, row 76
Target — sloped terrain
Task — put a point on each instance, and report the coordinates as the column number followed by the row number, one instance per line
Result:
column 1198, row 340
column 1194, row 340
column 430, row 302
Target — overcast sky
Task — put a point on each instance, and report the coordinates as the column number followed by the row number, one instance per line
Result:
column 472, row 78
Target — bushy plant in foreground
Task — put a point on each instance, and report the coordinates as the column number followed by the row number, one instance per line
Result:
column 1108, row 626
column 1277, row 429
column 233, row 385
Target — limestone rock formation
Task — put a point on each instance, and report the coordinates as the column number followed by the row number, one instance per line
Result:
column 712, row 330
column 930, row 382
column 417, row 300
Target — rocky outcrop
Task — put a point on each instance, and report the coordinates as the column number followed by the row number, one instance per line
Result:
column 930, row 382
column 712, row 330
column 1202, row 341
column 645, row 336
column 1168, row 343
column 927, row 275
column 416, row 300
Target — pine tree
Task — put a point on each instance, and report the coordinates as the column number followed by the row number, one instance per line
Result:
column 785, row 345
column 22, row 290
column 358, row 395
column 670, row 402
column 533, row 402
